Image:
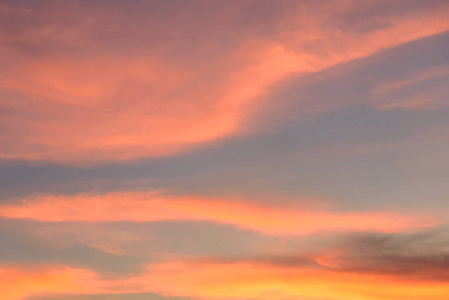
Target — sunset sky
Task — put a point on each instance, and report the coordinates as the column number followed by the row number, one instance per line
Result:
column 224, row 150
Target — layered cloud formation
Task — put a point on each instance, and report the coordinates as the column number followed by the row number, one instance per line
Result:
column 227, row 150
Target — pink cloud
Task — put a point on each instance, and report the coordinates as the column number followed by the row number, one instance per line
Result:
column 95, row 104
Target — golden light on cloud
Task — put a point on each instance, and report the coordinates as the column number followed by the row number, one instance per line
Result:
column 20, row 282
column 223, row 281
column 244, row 280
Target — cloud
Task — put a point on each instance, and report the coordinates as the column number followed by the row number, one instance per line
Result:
column 245, row 280
column 122, row 248
column 135, row 296
column 73, row 246
column 420, row 256
column 18, row 282
column 151, row 207
column 358, row 266
column 423, row 91
column 154, row 149
column 230, row 280
column 87, row 84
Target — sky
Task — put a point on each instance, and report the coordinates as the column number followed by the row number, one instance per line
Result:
column 224, row 150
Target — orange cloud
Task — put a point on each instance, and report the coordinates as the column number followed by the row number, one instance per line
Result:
column 102, row 105
column 225, row 281
column 149, row 207
column 357, row 273
column 17, row 283
column 243, row 281
column 257, row 281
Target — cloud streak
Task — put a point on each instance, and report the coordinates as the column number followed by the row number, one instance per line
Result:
column 151, row 207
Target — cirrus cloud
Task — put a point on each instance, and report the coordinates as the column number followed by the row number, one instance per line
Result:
column 83, row 86
column 151, row 207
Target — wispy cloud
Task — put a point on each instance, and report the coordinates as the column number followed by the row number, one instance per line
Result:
column 101, row 88
column 151, row 207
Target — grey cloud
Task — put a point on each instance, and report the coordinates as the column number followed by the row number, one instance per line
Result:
column 23, row 242
column 420, row 255
column 423, row 255
column 123, row 248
